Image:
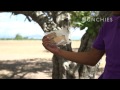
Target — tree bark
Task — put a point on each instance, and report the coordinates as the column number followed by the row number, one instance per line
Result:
column 85, row 71
column 43, row 19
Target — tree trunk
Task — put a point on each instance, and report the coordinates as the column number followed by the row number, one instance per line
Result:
column 59, row 70
column 62, row 68
column 50, row 21
column 85, row 71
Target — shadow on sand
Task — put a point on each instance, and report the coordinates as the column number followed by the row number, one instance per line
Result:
column 25, row 69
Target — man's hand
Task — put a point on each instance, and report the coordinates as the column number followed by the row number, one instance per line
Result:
column 88, row 58
column 50, row 46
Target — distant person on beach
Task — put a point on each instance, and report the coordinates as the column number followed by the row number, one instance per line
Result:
column 107, row 42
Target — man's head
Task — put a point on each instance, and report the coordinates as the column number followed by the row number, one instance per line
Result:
column 115, row 12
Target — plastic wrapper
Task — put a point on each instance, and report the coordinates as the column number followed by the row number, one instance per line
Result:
column 58, row 37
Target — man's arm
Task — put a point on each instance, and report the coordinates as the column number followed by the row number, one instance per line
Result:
column 88, row 58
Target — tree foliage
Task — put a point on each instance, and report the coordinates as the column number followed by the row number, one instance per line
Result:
column 85, row 71
column 84, row 19
column 18, row 37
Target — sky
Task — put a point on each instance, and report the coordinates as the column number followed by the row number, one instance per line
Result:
column 10, row 25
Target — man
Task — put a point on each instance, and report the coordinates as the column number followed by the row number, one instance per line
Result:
column 107, row 41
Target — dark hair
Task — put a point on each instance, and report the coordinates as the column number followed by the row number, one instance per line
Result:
column 117, row 13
